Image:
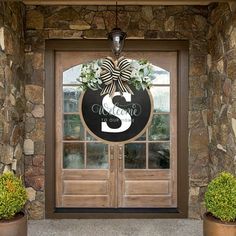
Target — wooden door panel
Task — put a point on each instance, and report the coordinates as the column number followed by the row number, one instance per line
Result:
column 79, row 187
column 85, row 187
column 85, row 174
column 145, row 186
column 147, row 174
column 116, row 186
column 141, row 187
column 85, row 201
column 91, row 188
column 144, row 201
column 146, row 189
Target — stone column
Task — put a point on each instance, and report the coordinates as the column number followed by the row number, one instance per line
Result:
column 12, row 100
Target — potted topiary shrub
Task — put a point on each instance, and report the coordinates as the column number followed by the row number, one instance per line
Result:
column 220, row 201
column 13, row 221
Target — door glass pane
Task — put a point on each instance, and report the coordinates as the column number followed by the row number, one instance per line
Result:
column 159, row 156
column 71, row 98
column 135, row 156
column 160, row 128
column 142, row 137
column 161, row 97
column 161, row 76
column 97, row 156
column 89, row 137
column 73, row 156
column 71, row 75
column 73, row 128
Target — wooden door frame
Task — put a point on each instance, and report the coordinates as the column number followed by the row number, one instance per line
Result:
column 182, row 49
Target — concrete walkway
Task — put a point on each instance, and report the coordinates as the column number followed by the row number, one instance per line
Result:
column 129, row 227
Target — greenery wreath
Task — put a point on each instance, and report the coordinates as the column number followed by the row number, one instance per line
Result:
column 140, row 74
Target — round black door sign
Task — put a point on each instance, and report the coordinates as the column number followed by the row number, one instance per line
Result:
column 120, row 118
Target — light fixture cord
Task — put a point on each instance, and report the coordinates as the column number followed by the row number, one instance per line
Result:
column 116, row 14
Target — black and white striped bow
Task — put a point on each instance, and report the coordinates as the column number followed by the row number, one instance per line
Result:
column 116, row 75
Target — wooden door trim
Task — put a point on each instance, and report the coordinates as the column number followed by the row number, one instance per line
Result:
column 181, row 46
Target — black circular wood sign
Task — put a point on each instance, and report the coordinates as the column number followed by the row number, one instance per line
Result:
column 120, row 118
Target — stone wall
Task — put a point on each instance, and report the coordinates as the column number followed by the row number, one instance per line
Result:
column 211, row 32
column 12, row 102
column 222, row 88
column 146, row 22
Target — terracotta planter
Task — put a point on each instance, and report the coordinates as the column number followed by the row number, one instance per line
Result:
column 215, row 227
column 14, row 227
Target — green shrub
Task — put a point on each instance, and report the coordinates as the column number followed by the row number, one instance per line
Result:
column 220, row 197
column 12, row 195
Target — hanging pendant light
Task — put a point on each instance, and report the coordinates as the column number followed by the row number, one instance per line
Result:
column 117, row 38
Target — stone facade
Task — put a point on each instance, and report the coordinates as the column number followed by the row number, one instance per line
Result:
column 12, row 101
column 90, row 22
column 212, row 62
column 222, row 89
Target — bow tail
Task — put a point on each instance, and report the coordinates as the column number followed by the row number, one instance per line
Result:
column 128, row 88
column 124, row 87
column 109, row 89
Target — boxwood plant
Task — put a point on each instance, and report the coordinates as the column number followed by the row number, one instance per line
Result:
column 12, row 195
column 220, row 197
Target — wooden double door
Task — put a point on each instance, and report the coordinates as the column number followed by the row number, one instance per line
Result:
column 92, row 174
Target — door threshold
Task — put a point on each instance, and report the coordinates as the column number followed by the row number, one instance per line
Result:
column 115, row 213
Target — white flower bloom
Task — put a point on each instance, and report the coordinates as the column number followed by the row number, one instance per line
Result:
column 98, row 73
column 135, row 65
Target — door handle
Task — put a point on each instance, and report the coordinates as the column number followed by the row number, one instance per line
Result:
column 112, row 158
column 120, row 157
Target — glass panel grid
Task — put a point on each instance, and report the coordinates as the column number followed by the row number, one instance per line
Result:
column 87, row 145
column 73, row 128
column 165, row 164
column 74, row 135
column 70, row 76
column 135, row 156
column 97, row 156
column 88, row 139
column 73, row 155
column 159, row 129
column 71, row 96
column 161, row 76
column 161, row 98
column 159, row 155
